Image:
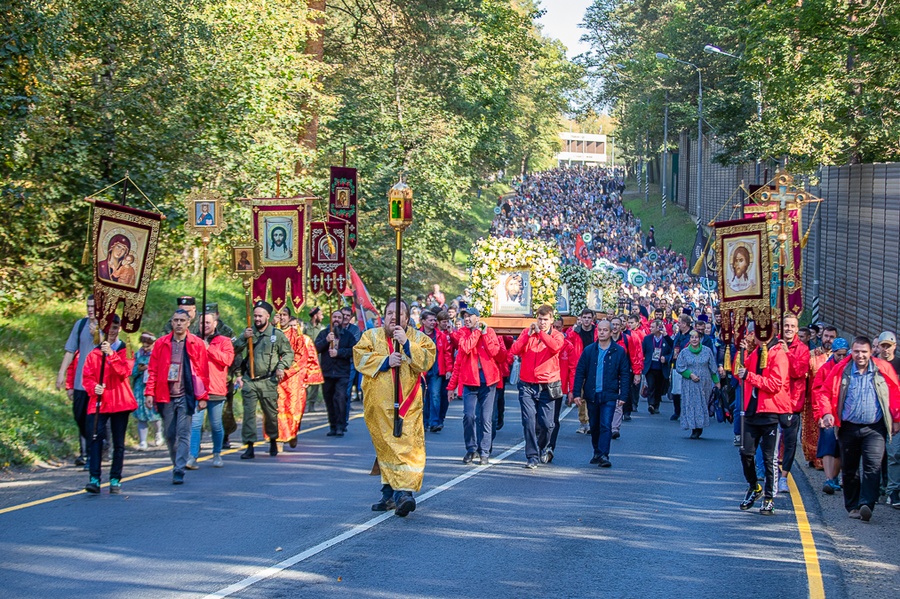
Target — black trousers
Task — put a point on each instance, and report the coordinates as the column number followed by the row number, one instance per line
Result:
column 755, row 435
column 634, row 398
column 334, row 390
column 656, row 386
column 865, row 443
column 556, row 409
column 80, row 401
column 118, row 422
column 790, row 434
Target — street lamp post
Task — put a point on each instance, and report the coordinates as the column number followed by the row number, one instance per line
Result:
column 665, row 158
column 662, row 56
column 710, row 49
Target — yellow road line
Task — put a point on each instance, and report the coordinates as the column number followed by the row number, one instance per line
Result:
column 810, row 555
column 36, row 502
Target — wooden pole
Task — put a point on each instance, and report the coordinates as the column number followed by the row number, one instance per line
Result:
column 247, row 283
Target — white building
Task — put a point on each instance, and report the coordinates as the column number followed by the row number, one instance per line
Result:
column 582, row 149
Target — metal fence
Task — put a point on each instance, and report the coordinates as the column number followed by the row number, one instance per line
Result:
column 854, row 246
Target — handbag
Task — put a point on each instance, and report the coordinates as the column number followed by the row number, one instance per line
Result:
column 554, row 389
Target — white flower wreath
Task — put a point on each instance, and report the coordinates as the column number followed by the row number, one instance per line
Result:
column 577, row 279
column 490, row 255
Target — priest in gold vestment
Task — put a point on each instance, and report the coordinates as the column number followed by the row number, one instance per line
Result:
column 401, row 460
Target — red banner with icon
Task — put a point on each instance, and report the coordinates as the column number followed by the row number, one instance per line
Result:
column 279, row 226
column 327, row 257
column 342, row 198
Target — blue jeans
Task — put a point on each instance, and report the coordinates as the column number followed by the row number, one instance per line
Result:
column 478, row 418
column 178, row 431
column 214, row 409
column 600, row 416
column 537, row 418
column 431, row 409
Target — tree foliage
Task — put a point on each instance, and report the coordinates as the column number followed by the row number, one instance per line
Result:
column 822, row 72
column 189, row 93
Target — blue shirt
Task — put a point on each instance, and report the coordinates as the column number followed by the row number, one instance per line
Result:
column 601, row 354
column 861, row 403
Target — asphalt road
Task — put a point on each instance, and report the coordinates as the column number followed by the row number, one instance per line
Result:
column 662, row 522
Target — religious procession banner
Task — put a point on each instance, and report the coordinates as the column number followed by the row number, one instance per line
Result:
column 124, row 241
column 342, row 198
column 279, row 226
column 745, row 269
column 328, row 257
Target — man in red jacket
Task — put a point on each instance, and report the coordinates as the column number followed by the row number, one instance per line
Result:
column 178, row 381
column 798, row 358
column 862, row 398
column 764, row 389
column 580, row 336
column 539, row 383
column 478, row 373
column 116, row 404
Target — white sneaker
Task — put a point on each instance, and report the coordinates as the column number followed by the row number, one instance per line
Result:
column 160, row 441
column 217, row 461
column 583, row 429
column 782, row 485
column 737, row 440
column 143, row 446
column 192, row 464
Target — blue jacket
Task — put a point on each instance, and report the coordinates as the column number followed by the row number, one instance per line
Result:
column 616, row 374
column 667, row 350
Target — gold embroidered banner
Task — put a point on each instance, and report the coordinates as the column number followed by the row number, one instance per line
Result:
column 279, row 226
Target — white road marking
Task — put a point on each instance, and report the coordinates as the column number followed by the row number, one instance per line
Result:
column 361, row 528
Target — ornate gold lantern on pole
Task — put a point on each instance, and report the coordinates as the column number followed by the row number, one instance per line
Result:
column 400, row 217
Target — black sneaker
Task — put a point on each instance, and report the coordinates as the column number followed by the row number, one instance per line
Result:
column 604, row 462
column 675, row 417
column 768, row 507
column 894, row 499
column 80, row 461
column 616, row 435
column 384, row 505
column 273, row 448
column 469, row 457
column 550, row 455
column 595, row 459
column 115, row 486
column 331, row 433
column 178, row 478
column 545, row 456
column 627, row 417
column 406, row 505
column 865, row 513
column 93, row 486
column 248, row 453
column 751, row 497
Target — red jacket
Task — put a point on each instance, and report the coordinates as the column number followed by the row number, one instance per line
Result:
column 540, row 356
column 221, row 355
column 832, row 400
column 567, row 364
column 502, row 359
column 70, row 372
column 634, row 352
column 117, row 397
column 444, row 352
column 798, row 357
column 773, row 383
column 575, row 339
column 475, row 347
column 819, row 396
column 157, row 386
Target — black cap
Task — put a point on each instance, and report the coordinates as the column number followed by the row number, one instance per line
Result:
column 264, row 305
column 212, row 308
column 315, row 311
column 186, row 300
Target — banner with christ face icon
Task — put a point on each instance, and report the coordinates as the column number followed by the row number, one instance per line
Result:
column 342, row 197
column 124, row 241
column 328, row 257
column 279, row 226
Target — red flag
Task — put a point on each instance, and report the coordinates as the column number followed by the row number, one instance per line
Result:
column 362, row 301
column 581, row 252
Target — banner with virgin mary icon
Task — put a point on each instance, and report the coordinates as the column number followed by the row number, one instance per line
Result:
column 124, row 241
column 328, row 257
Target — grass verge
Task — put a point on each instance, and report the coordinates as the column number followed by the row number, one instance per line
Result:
column 677, row 227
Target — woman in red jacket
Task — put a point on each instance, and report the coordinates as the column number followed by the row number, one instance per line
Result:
column 116, row 402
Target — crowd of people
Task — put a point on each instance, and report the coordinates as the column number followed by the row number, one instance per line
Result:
column 839, row 400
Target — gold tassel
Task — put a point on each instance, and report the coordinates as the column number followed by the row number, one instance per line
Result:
column 763, row 354
column 86, row 254
column 804, row 241
column 727, row 358
column 698, row 266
